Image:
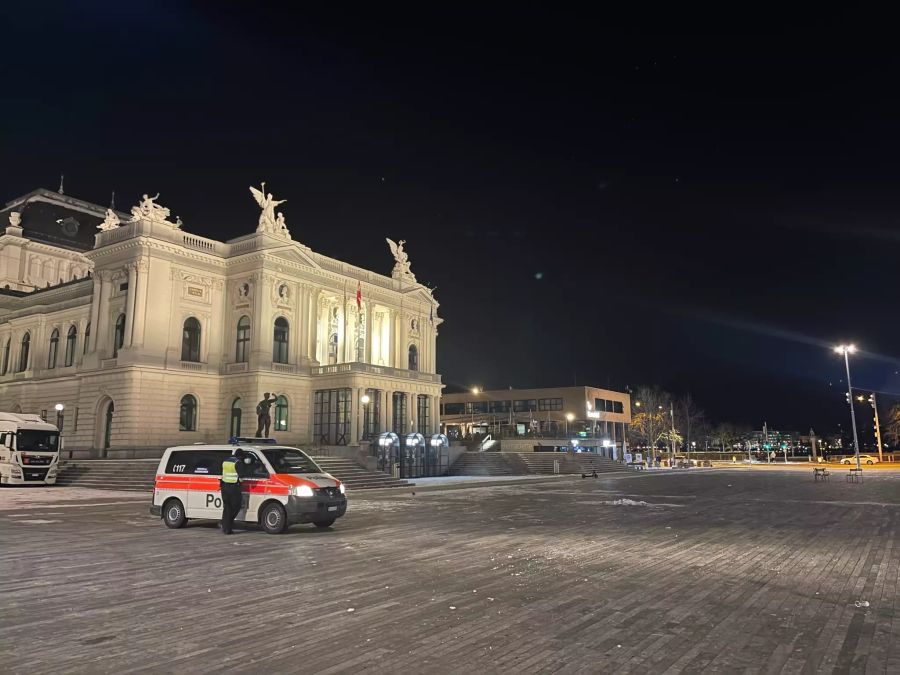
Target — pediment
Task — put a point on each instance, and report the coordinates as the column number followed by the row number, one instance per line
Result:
column 295, row 255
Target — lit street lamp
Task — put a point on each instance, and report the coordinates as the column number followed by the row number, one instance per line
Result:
column 846, row 350
column 59, row 416
column 569, row 418
column 364, row 430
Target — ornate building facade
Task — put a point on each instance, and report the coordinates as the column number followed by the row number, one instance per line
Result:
column 150, row 336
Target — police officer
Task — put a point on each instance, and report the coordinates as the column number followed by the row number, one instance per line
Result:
column 230, row 485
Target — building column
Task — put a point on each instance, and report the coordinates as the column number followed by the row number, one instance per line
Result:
column 356, row 411
column 142, row 269
column 303, row 325
column 102, row 328
column 370, row 329
column 435, row 414
column 313, row 324
column 129, row 304
column 95, row 313
column 385, row 415
column 412, row 412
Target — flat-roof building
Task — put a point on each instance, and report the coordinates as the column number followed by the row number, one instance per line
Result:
column 556, row 412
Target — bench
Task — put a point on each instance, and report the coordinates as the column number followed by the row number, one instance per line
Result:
column 820, row 472
column 855, row 476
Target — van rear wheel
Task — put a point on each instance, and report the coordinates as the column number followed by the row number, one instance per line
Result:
column 322, row 524
column 274, row 519
column 173, row 514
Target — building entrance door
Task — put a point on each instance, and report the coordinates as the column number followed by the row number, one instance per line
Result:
column 107, row 428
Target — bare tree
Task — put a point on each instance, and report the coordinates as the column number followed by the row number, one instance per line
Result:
column 688, row 418
column 649, row 417
column 892, row 425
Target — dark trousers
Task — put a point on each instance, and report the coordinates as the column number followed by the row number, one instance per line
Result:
column 231, row 504
column 263, row 426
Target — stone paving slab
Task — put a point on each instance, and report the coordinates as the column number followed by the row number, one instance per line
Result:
column 713, row 571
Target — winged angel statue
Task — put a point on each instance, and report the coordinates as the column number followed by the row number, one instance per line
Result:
column 267, row 220
column 401, row 262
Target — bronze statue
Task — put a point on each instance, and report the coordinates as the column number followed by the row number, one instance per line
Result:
column 264, row 420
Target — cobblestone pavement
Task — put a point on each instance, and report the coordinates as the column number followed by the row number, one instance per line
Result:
column 662, row 572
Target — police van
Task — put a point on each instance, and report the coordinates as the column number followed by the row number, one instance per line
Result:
column 280, row 486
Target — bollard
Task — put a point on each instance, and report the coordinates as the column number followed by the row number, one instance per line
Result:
column 555, row 466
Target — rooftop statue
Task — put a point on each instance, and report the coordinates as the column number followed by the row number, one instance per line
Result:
column 111, row 222
column 267, row 220
column 148, row 209
column 402, row 269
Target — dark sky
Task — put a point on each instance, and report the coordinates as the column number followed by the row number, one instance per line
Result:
column 707, row 215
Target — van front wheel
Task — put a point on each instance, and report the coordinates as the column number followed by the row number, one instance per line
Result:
column 173, row 514
column 274, row 519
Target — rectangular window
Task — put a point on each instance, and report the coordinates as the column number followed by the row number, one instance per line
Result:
column 499, row 406
column 476, row 407
column 454, row 408
column 423, row 415
column 609, row 406
column 549, row 404
column 331, row 416
column 123, row 286
column 618, row 407
column 399, row 414
column 525, row 405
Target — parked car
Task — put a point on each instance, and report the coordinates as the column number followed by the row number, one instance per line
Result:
column 864, row 459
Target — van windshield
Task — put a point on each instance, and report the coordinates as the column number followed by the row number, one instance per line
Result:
column 286, row 460
column 37, row 441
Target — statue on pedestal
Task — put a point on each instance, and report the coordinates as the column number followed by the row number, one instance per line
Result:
column 264, row 419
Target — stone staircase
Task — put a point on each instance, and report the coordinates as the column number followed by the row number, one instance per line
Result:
column 531, row 463
column 488, row 464
column 357, row 478
column 137, row 475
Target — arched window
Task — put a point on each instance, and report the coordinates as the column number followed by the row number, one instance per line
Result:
column 190, row 340
column 5, row 368
column 280, row 341
column 235, row 417
column 23, row 355
column 187, row 417
column 332, row 348
column 54, row 348
column 87, row 337
column 71, row 339
column 281, row 414
column 413, row 357
column 119, row 337
column 242, row 346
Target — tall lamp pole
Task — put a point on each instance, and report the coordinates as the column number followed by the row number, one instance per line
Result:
column 364, row 429
column 877, row 427
column 846, row 350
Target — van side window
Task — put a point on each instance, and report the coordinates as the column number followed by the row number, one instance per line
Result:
column 256, row 469
column 210, row 463
column 182, row 462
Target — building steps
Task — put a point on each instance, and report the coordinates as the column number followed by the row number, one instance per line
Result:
column 138, row 475
column 531, row 463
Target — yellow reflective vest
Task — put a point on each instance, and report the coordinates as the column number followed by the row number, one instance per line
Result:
column 229, row 470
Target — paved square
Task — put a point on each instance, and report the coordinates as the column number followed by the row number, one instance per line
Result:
column 707, row 571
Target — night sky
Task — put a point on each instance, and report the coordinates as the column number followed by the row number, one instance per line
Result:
column 706, row 215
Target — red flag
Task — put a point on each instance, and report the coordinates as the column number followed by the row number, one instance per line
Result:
column 358, row 296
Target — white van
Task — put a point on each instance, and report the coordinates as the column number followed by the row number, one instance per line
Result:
column 281, row 486
column 29, row 450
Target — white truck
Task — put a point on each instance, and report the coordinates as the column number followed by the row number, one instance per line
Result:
column 29, row 450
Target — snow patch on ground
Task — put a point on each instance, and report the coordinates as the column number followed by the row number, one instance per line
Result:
column 40, row 497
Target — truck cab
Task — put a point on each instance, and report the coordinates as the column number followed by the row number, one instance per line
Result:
column 29, row 450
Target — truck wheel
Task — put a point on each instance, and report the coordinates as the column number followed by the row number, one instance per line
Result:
column 173, row 514
column 322, row 524
column 273, row 518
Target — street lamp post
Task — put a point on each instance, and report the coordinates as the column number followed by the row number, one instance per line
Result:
column 363, row 430
column 569, row 418
column 59, row 416
column 846, row 350
column 877, row 427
